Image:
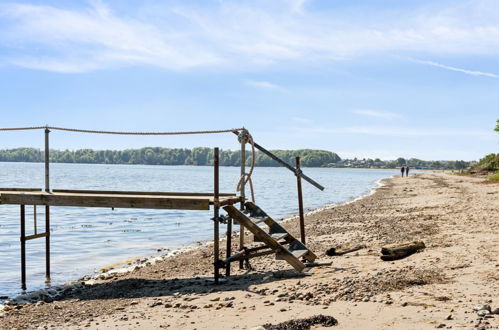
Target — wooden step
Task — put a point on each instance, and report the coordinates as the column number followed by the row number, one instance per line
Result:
column 275, row 227
column 299, row 253
column 258, row 220
column 280, row 250
column 279, row 236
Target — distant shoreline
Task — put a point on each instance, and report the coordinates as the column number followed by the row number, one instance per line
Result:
column 271, row 166
column 202, row 156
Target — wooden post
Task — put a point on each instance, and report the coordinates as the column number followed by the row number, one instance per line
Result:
column 243, row 195
column 216, row 210
column 300, row 202
column 23, row 248
column 47, row 208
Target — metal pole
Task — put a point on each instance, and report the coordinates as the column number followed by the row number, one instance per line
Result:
column 215, row 215
column 229, row 246
column 47, row 160
column 47, row 208
column 300, row 202
column 47, row 244
column 23, row 248
column 34, row 220
column 243, row 195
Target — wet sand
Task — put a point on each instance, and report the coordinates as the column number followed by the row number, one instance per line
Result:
column 457, row 217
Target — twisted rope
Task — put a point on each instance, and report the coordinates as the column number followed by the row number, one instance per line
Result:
column 120, row 132
column 21, row 128
column 245, row 137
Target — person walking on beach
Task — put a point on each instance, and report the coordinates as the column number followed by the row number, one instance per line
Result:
column 407, row 171
column 402, row 170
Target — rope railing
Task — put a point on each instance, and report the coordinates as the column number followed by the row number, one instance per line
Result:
column 231, row 130
column 243, row 136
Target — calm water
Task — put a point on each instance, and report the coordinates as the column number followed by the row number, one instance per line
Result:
column 86, row 239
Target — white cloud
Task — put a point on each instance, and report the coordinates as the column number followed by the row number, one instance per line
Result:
column 377, row 114
column 237, row 35
column 77, row 41
column 263, row 85
column 452, row 68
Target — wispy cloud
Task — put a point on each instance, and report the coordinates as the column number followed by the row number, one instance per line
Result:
column 93, row 38
column 264, row 85
column 178, row 36
column 452, row 68
column 395, row 132
column 377, row 114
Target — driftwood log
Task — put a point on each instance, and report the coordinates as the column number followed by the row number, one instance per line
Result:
column 400, row 250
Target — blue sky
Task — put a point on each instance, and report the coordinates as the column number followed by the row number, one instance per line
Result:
column 361, row 78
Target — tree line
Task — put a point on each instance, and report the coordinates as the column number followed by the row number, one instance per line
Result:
column 399, row 162
column 204, row 156
column 167, row 156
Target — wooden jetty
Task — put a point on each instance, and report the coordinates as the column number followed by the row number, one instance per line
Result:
column 276, row 240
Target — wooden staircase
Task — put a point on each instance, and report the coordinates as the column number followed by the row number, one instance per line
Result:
column 278, row 239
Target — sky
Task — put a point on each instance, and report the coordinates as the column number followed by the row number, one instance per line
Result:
column 378, row 79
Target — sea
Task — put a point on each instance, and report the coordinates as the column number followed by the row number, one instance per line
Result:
column 83, row 240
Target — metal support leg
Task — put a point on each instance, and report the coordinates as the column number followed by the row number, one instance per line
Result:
column 229, row 246
column 47, row 208
column 35, row 225
column 215, row 216
column 47, row 244
column 23, row 247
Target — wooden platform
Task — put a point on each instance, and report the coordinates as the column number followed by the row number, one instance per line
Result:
column 114, row 199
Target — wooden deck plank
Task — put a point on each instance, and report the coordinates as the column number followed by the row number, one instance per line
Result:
column 117, row 199
column 20, row 189
column 118, row 192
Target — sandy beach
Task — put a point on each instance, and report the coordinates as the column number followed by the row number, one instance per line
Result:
column 457, row 217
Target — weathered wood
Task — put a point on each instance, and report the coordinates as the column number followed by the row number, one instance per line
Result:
column 20, row 189
column 103, row 200
column 243, row 197
column 300, row 202
column 148, row 193
column 281, row 251
column 277, row 230
column 400, row 250
column 338, row 252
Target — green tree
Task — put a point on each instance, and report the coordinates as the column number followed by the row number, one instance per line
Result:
column 400, row 161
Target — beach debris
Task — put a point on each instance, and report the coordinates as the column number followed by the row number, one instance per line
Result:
column 485, row 310
column 338, row 252
column 482, row 307
column 303, row 324
column 400, row 250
